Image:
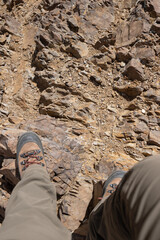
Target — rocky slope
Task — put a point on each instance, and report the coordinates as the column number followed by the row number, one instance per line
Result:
column 84, row 75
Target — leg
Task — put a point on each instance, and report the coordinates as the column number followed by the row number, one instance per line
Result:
column 133, row 210
column 31, row 210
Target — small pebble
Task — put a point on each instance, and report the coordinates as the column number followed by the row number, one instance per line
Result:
column 143, row 111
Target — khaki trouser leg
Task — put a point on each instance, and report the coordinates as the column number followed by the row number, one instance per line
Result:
column 31, row 210
column 133, row 210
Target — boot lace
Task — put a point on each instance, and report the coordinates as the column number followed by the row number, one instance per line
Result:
column 31, row 157
column 114, row 186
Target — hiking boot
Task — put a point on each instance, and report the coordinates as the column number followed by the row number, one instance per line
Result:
column 29, row 151
column 112, row 182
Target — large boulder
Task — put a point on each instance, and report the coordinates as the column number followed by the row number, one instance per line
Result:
column 62, row 153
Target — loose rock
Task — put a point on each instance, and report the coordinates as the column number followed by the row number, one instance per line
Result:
column 153, row 6
column 11, row 26
column 123, row 55
column 127, row 33
column 156, row 27
column 134, row 70
column 154, row 138
column 153, row 95
column 131, row 90
column 78, row 49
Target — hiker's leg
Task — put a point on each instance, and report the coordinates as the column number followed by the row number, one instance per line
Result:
column 133, row 210
column 31, row 210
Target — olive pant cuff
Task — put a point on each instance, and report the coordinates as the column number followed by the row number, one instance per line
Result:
column 31, row 210
column 133, row 210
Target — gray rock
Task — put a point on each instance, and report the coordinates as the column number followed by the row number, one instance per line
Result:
column 44, row 39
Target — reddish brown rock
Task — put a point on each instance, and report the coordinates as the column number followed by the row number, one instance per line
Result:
column 78, row 92
column 8, row 141
column 11, row 3
column 80, row 195
column 45, row 57
column 62, row 104
column 128, row 3
column 156, row 27
column 4, row 196
column 78, row 49
column 134, row 70
column 123, row 55
column 153, row 95
column 130, row 90
column 11, row 26
column 101, row 17
column 153, row 6
column 145, row 53
column 106, row 41
column 141, row 127
column 134, row 152
column 62, row 156
column 154, row 138
column 127, row 34
column 73, row 24
column 51, row 4
column 102, row 60
column 48, row 78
